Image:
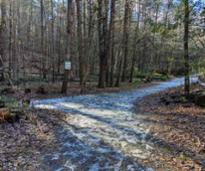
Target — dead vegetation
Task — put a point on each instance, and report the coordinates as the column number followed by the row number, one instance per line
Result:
column 4, row 114
column 39, row 90
column 23, row 142
column 177, row 128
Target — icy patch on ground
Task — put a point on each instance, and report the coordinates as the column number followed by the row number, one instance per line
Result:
column 101, row 132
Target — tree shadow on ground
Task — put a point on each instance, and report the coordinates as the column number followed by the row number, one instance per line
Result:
column 182, row 126
column 92, row 153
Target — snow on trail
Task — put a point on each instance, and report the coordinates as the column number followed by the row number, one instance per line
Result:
column 101, row 131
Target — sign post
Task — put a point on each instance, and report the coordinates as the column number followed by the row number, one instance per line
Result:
column 67, row 67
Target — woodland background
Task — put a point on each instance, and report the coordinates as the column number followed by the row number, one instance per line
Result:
column 108, row 42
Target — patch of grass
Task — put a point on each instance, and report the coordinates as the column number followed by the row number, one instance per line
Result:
column 183, row 157
column 183, row 99
column 141, row 75
column 160, row 77
column 152, row 75
column 10, row 102
column 166, row 149
column 137, row 81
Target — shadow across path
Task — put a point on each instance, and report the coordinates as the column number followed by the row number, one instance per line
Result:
column 101, row 131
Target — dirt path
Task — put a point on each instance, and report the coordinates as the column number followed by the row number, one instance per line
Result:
column 101, row 132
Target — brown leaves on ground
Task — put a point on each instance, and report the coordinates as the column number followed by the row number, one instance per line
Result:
column 22, row 143
column 4, row 114
column 178, row 128
column 42, row 90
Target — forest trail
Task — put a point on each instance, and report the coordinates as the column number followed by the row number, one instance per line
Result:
column 102, row 131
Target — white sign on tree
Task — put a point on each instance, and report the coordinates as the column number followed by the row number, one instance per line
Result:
column 67, row 65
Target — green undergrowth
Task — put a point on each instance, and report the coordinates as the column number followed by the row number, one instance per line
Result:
column 10, row 102
column 140, row 77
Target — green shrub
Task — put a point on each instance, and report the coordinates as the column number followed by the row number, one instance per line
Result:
column 151, row 75
column 137, row 81
column 9, row 102
column 160, row 77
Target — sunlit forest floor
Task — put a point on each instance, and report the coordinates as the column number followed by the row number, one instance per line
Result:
column 178, row 128
column 100, row 131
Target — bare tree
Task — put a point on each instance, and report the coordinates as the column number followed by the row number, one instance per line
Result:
column 111, row 41
column 186, row 48
column 68, row 56
column 102, row 34
column 2, row 38
column 43, row 60
column 125, row 38
column 80, row 43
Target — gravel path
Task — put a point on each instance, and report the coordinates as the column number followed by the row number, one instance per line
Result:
column 102, row 131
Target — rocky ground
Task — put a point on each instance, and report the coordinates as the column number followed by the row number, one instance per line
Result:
column 177, row 128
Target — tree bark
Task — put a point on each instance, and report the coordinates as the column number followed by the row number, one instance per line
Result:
column 52, row 41
column 186, row 49
column 111, row 39
column 10, row 36
column 69, row 32
column 43, row 60
column 102, row 34
column 135, row 44
column 2, row 38
column 125, row 39
column 80, row 43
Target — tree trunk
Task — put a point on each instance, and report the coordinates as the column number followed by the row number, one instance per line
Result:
column 125, row 39
column 111, row 39
column 102, row 33
column 69, row 32
column 135, row 44
column 10, row 37
column 43, row 61
column 80, row 41
column 52, row 42
column 186, row 49
column 117, row 83
column 2, row 38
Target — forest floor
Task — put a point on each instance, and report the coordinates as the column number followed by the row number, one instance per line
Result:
column 178, row 128
column 23, row 141
column 102, row 132
column 44, row 90
column 36, row 89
